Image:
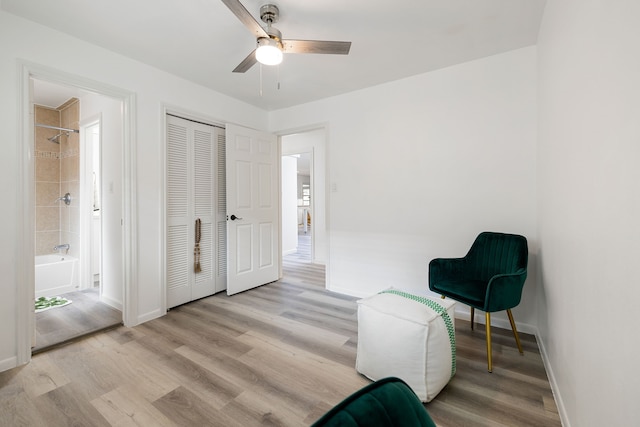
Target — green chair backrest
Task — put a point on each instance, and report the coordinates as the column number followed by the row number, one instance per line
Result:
column 388, row 402
column 496, row 253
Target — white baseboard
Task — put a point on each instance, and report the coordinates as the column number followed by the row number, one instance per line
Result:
column 348, row 291
column 462, row 312
column 562, row 411
column 9, row 363
column 111, row 302
column 154, row 314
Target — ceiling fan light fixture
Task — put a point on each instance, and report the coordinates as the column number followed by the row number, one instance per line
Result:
column 269, row 51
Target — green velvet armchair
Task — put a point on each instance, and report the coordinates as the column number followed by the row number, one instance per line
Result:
column 490, row 278
column 388, row 402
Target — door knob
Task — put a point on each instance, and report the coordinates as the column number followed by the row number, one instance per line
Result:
column 233, row 217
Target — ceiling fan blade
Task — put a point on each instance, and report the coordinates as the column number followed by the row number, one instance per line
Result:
column 245, row 17
column 316, row 46
column 246, row 63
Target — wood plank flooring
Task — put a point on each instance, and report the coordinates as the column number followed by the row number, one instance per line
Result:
column 279, row 355
column 85, row 315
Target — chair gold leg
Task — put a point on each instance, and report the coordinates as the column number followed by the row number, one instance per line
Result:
column 472, row 316
column 442, row 296
column 515, row 331
column 488, row 328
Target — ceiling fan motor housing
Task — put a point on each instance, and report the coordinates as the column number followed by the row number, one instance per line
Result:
column 269, row 13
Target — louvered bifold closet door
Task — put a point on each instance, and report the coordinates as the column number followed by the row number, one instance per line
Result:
column 178, row 195
column 203, row 153
column 221, row 207
column 190, row 195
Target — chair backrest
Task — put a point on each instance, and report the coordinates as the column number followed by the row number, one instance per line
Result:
column 497, row 253
column 388, row 402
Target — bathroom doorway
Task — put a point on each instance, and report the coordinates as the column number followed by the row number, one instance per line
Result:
column 70, row 301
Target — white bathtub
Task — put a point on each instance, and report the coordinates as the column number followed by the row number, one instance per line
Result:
column 55, row 275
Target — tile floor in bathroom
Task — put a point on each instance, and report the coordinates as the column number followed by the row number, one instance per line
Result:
column 85, row 315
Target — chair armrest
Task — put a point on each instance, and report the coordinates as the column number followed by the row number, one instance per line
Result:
column 504, row 291
column 444, row 268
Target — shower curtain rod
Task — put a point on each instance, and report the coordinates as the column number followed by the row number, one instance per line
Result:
column 57, row 127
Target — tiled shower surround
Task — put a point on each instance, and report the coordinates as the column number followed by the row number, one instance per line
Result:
column 57, row 171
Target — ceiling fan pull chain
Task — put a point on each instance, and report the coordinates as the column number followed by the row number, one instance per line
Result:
column 278, row 76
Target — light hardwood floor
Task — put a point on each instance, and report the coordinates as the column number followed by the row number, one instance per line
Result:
column 279, row 355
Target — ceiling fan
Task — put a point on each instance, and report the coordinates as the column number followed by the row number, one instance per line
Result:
column 270, row 44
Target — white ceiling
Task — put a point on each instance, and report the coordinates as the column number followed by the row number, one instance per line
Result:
column 202, row 41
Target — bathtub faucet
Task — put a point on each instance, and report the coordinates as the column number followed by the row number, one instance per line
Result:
column 64, row 246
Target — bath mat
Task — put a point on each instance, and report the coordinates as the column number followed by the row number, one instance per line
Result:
column 44, row 303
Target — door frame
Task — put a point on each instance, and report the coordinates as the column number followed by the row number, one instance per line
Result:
column 25, row 224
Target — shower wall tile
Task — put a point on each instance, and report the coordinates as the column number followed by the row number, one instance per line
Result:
column 70, row 113
column 64, row 144
column 48, row 170
column 57, row 173
column 64, row 169
column 69, row 117
column 70, row 173
column 74, row 219
column 47, row 219
column 46, row 116
column 70, row 169
column 47, row 193
column 42, row 142
column 47, row 177
column 72, row 143
column 64, row 218
column 45, row 241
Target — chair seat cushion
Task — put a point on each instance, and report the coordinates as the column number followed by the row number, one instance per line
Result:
column 467, row 291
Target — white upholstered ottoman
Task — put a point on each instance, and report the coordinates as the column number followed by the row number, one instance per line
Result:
column 409, row 336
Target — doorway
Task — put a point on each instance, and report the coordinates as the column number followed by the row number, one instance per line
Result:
column 307, row 150
column 67, row 188
column 297, row 211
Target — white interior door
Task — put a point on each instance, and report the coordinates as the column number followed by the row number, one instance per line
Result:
column 253, row 250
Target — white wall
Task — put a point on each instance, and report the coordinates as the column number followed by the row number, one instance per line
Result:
column 24, row 40
column 420, row 166
column 289, row 225
column 589, row 207
column 314, row 141
column 110, row 111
